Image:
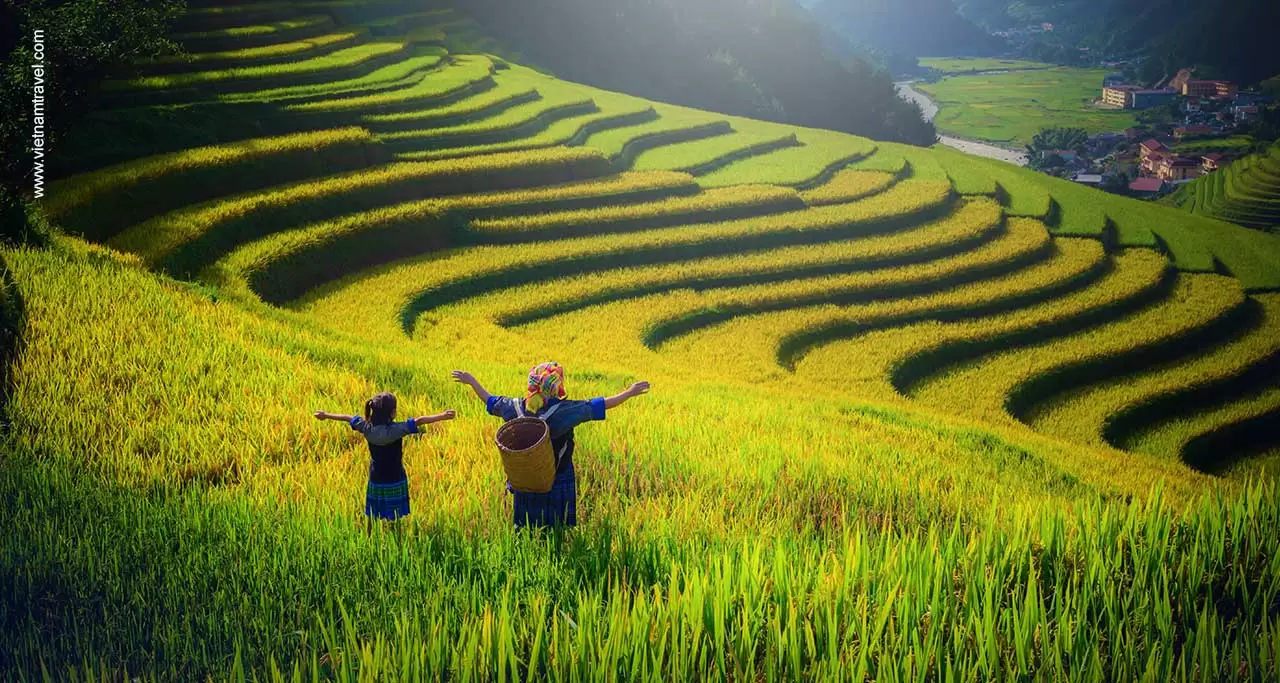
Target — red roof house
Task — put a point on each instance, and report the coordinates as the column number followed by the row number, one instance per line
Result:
column 1146, row 185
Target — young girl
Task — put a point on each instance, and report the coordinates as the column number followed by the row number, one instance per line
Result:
column 546, row 399
column 387, row 496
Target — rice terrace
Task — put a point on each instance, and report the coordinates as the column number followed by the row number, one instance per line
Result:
column 893, row 412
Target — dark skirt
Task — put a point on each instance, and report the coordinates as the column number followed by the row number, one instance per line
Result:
column 387, row 501
column 557, row 507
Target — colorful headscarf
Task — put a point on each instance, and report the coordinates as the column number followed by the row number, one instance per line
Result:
column 546, row 381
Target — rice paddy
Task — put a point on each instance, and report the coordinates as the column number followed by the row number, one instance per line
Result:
column 915, row 415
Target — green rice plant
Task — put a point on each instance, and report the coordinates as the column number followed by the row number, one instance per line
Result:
column 557, row 101
column 285, row 265
column 263, row 55
column 672, row 127
column 1089, row 413
column 259, row 35
column 998, row 387
column 184, row 241
column 100, row 203
column 849, row 185
column 404, row 73
column 466, row 74
column 713, row 205
column 488, row 103
column 700, row 157
column 897, row 360
column 966, row 177
column 570, row 131
column 408, row 288
column 399, row 24
column 820, row 155
column 347, row 63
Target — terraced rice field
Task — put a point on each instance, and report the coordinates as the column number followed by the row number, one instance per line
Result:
column 1246, row 192
column 916, row 415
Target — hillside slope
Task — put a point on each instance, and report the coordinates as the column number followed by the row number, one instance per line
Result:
column 884, row 376
column 1246, row 192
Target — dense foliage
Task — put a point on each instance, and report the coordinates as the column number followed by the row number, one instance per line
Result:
column 1224, row 39
column 84, row 40
column 759, row 59
column 908, row 28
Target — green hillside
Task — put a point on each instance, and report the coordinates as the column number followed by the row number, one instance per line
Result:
column 915, row 415
column 1246, row 192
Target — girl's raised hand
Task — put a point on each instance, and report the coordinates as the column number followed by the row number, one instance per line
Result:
column 463, row 376
column 638, row 388
column 448, row 415
column 320, row 414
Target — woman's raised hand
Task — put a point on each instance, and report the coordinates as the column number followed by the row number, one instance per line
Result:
column 463, row 376
column 638, row 388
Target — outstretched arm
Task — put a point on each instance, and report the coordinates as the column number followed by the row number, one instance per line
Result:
column 463, row 377
column 634, row 390
column 438, row 417
column 321, row 415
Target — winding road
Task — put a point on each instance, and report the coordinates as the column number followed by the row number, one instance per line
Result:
column 930, row 109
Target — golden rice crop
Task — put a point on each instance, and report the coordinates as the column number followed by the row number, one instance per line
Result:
column 769, row 344
column 464, row 72
column 1083, row 414
column 346, row 304
column 99, row 203
column 262, row 213
column 982, row 388
column 703, row 156
column 708, row 205
column 260, row 260
column 1171, row 437
column 812, row 268
column 328, row 66
column 646, row 328
column 882, row 355
column 848, row 185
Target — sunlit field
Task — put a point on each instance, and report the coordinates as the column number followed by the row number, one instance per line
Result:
column 914, row 415
column 1010, row 107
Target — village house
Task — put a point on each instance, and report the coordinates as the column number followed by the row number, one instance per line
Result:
column 1172, row 168
column 1245, row 113
column 1212, row 162
column 1188, row 132
column 1221, row 89
column 1149, row 147
column 1135, row 97
column 1117, row 95
column 1146, row 186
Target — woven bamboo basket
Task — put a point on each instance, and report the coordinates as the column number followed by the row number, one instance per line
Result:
column 527, row 456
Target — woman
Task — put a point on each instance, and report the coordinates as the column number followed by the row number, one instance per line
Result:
column 546, row 399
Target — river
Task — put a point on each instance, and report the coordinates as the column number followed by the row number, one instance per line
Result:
column 982, row 149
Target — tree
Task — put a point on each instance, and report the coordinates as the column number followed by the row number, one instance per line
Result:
column 84, row 41
column 1049, row 140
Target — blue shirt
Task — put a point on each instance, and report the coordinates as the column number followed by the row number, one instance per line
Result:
column 568, row 415
column 386, row 448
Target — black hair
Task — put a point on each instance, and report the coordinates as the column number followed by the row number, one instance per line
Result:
column 381, row 409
